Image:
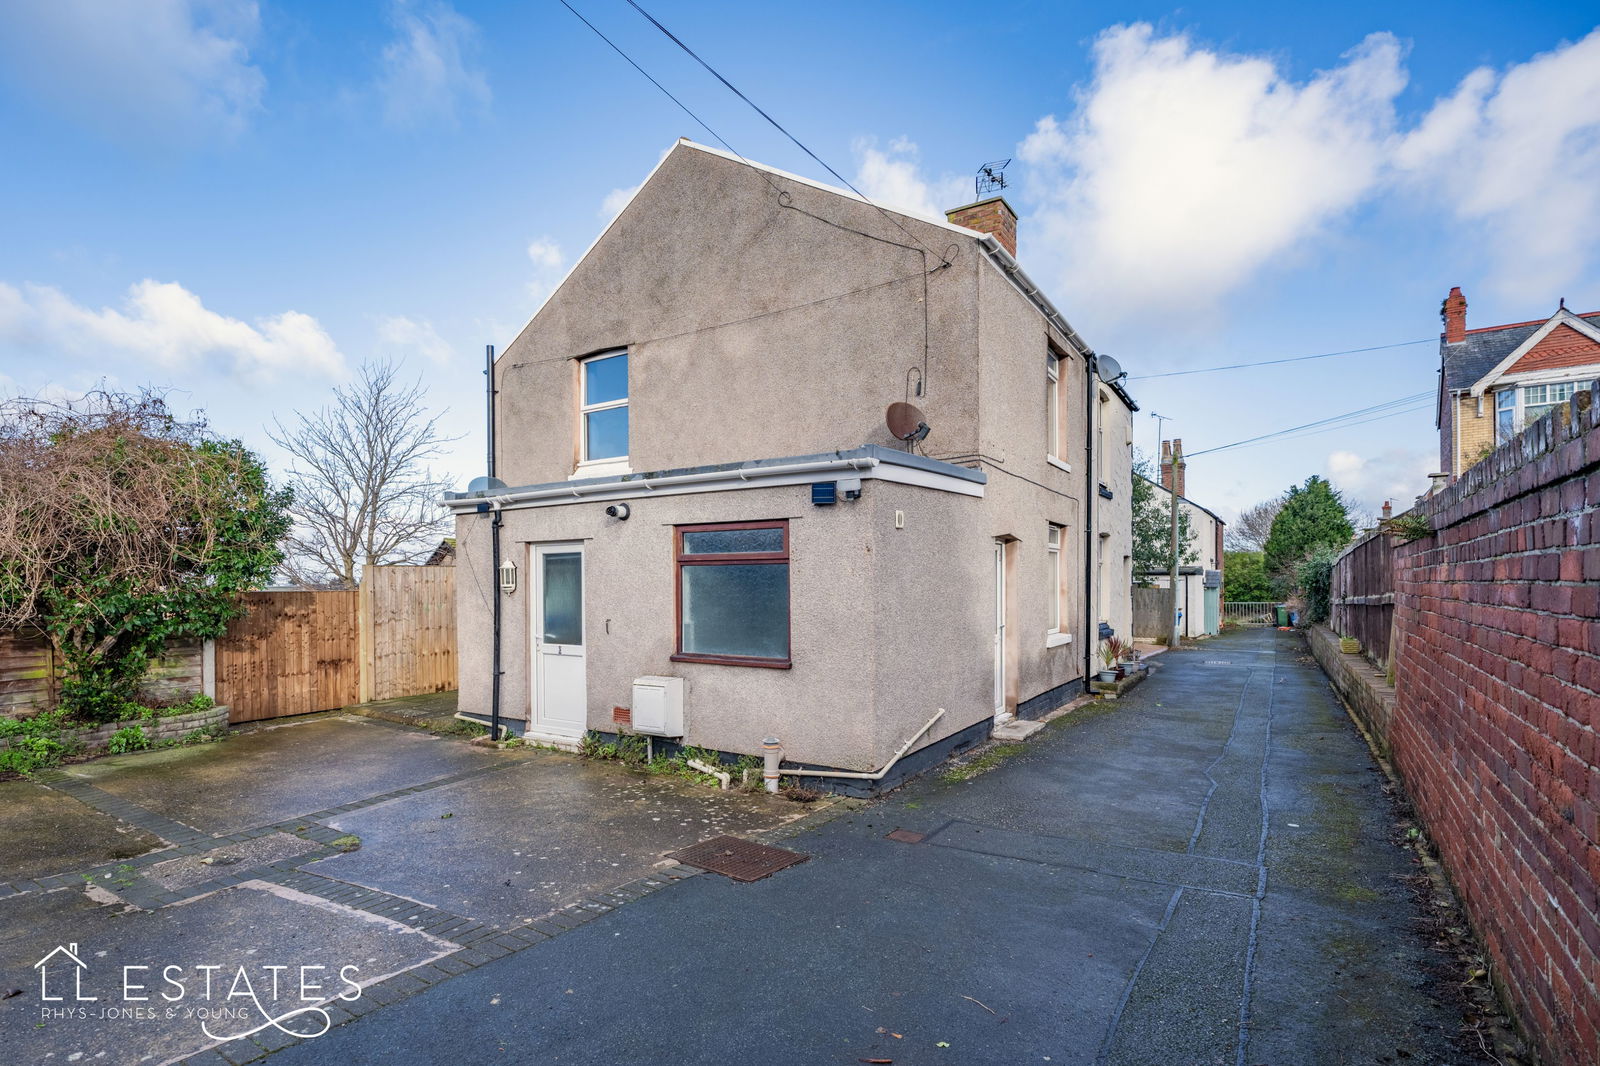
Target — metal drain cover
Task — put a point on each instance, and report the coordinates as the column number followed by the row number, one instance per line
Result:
column 742, row 860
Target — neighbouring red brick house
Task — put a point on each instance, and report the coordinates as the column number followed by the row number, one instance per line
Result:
column 1495, row 380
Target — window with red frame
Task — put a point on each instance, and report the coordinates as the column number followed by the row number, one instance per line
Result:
column 733, row 593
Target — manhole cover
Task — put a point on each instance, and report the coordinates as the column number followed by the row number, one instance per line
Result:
column 742, row 860
column 907, row 836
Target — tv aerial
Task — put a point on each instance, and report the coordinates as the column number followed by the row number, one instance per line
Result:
column 991, row 177
column 906, row 422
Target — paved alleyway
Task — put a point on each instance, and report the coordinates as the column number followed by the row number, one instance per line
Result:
column 1200, row 873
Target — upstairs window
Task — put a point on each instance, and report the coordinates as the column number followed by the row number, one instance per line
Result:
column 733, row 593
column 604, row 408
column 1518, row 407
column 1052, row 404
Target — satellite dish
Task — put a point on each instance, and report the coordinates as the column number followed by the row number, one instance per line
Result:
column 486, row 484
column 1110, row 370
column 906, row 422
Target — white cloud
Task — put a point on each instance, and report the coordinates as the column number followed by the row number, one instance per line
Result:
column 166, row 324
column 1519, row 154
column 892, row 177
column 416, row 334
column 428, row 73
column 1396, row 474
column 167, row 69
column 1183, row 170
column 616, row 200
column 545, row 253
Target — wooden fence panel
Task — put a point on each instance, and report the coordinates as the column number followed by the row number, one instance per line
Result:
column 412, row 611
column 1152, row 613
column 1363, row 595
column 291, row 653
column 28, row 675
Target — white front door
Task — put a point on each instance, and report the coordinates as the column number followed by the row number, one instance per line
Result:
column 560, row 686
column 999, row 628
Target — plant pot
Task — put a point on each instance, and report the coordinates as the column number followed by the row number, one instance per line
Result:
column 1106, row 677
column 1349, row 645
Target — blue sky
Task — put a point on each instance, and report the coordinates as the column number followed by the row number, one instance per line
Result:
column 242, row 201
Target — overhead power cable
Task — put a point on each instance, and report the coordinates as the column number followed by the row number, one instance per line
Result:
column 1403, row 405
column 777, row 126
column 1275, row 362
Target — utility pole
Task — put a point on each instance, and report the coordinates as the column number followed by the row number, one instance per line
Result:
column 1177, row 457
column 1170, row 483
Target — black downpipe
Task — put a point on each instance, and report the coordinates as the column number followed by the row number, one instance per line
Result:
column 494, row 550
column 1090, row 491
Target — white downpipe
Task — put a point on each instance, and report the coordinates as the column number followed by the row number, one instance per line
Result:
column 605, row 488
column 721, row 775
column 878, row 776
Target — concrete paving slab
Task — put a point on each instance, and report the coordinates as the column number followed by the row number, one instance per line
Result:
column 269, row 774
column 47, row 832
column 255, row 926
column 185, row 871
column 513, row 845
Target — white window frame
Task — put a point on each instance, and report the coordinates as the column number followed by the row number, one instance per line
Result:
column 1052, row 403
column 1514, row 398
column 1055, row 540
column 611, row 464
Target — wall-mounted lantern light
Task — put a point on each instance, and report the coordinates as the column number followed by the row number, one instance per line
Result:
column 508, row 577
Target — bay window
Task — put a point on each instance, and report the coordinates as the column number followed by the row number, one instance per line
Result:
column 1519, row 406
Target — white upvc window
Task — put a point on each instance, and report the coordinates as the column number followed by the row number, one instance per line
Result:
column 1517, row 407
column 1053, row 573
column 1052, row 404
column 603, row 412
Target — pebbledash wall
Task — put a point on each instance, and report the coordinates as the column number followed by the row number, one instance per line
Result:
column 1497, row 705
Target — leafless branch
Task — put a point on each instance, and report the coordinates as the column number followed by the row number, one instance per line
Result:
column 362, row 489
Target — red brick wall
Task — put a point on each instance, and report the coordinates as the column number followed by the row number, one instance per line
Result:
column 1497, row 706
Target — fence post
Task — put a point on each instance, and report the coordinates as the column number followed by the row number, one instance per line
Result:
column 366, row 651
column 208, row 668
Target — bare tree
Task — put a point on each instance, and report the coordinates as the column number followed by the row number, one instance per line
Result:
column 1254, row 525
column 363, row 492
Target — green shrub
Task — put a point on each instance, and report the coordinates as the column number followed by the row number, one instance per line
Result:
column 1314, row 575
column 128, row 738
column 37, row 742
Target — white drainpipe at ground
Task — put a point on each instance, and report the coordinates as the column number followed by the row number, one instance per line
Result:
column 772, row 751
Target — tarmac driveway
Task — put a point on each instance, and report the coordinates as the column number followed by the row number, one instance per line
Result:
column 329, row 842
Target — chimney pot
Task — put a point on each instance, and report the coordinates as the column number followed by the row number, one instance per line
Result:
column 1388, row 510
column 992, row 216
column 1454, row 313
column 1178, row 465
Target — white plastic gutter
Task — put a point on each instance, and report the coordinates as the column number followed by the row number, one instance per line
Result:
column 649, row 484
column 857, row 776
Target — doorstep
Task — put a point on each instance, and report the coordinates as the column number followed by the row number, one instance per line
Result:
column 1015, row 729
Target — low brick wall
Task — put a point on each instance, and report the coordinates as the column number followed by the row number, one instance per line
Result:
column 156, row 730
column 1364, row 688
column 1494, row 725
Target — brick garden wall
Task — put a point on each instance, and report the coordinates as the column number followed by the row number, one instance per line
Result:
column 1497, row 703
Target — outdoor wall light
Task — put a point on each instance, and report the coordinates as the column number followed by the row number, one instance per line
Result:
column 508, row 577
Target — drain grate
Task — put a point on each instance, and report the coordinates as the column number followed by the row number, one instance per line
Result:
column 742, row 860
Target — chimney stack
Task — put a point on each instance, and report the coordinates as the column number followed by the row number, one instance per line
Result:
column 1172, row 465
column 992, row 216
column 1388, row 510
column 1454, row 313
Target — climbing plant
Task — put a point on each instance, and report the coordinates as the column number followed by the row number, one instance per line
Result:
column 124, row 526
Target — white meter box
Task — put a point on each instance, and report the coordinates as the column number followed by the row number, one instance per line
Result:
column 658, row 706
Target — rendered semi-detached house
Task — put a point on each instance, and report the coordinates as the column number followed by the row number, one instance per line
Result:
column 715, row 370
